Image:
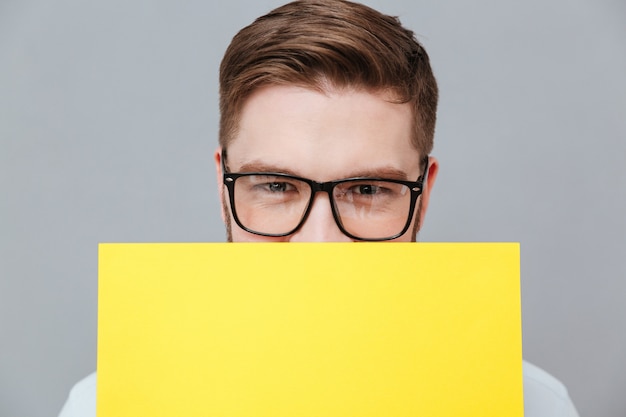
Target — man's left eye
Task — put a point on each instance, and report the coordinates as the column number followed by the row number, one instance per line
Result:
column 367, row 189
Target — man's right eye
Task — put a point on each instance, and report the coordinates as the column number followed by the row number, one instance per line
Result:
column 278, row 187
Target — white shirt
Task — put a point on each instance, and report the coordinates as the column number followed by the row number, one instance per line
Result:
column 544, row 396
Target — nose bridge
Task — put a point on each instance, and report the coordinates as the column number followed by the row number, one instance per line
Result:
column 326, row 187
column 320, row 224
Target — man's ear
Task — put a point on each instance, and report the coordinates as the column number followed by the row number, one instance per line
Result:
column 433, row 169
column 220, row 180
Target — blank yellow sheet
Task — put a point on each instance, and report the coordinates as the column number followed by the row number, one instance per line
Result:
column 309, row 330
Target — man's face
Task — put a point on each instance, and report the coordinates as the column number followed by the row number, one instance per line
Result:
column 324, row 137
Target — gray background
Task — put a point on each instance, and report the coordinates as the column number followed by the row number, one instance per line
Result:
column 108, row 120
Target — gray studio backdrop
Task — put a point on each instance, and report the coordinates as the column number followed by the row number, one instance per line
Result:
column 108, row 121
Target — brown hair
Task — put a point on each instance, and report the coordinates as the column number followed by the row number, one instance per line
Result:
column 320, row 43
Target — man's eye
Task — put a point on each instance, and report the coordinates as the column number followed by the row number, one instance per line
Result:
column 370, row 189
column 278, row 187
column 366, row 189
column 379, row 190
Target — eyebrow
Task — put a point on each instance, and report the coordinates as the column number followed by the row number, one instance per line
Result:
column 386, row 172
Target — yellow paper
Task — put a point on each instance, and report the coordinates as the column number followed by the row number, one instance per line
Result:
column 309, row 330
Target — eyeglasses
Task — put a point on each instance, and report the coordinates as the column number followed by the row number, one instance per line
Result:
column 276, row 204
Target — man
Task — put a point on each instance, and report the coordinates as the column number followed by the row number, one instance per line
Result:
column 328, row 114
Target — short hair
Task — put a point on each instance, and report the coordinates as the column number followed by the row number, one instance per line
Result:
column 317, row 44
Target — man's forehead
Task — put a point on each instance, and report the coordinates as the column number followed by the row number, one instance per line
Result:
column 287, row 109
column 341, row 132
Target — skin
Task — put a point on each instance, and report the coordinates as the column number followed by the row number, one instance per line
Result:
column 323, row 136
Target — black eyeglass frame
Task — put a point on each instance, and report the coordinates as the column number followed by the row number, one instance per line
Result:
column 416, row 188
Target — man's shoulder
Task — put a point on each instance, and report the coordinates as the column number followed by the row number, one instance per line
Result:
column 81, row 402
column 544, row 396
